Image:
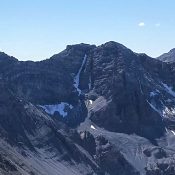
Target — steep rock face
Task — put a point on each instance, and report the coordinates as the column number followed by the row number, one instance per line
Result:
column 48, row 81
column 131, row 93
column 118, row 76
column 124, row 101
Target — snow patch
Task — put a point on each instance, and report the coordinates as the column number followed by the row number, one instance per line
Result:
column 90, row 102
column 77, row 77
column 92, row 127
column 51, row 109
column 166, row 130
column 173, row 132
column 169, row 89
column 168, row 112
column 154, row 93
column 164, row 111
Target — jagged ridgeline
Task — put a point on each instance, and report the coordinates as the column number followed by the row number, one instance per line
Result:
column 88, row 110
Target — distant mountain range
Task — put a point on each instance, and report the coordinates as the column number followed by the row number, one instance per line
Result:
column 89, row 110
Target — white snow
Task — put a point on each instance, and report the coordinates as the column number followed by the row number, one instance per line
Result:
column 166, row 130
column 168, row 112
column 164, row 111
column 77, row 77
column 92, row 127
column 90, row 102
column 173, row 132
column 51, row 109
column 154, row 93
column 169, row 89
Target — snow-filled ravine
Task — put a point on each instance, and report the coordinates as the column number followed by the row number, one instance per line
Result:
column 51, row 109
column 61, row 107
column 77, row 77
column 169, row 89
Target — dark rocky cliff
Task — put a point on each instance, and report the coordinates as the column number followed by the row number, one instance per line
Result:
column 105, row 108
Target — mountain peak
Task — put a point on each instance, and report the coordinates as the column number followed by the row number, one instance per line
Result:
column 81, row 46
column 4, row 56
column 84, row 109
column 168, row 57
column 113, row 44
column 172, row 50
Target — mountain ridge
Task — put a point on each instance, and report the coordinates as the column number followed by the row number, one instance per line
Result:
column 91, row 110
column 78, row 45
column 168, row 57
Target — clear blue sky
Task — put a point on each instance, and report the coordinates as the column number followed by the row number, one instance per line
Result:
column 37, row 29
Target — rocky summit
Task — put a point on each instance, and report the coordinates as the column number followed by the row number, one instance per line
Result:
column 168, row 57
column 89, row 110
